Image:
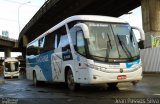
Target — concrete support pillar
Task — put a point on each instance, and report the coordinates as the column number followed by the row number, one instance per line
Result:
column 24, row 53
column 25, row 41
column 151, row 22
column 7, row 52
column 23, row 63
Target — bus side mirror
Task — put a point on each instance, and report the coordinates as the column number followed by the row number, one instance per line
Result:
column 19, row 63
column 142, row 35
column 3, row 63
column 84, row 28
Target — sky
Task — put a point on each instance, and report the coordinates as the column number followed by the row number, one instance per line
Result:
column 9, row 16
column 27, row 8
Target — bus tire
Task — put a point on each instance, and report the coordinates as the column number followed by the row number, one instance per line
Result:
column 70, row 81
column 134, row 83
column 112, row 84
column 35, row 81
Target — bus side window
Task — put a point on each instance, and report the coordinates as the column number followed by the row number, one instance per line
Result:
column 55, row 43
column 33, row 49
column 80, row 44
column 41, row 44
column 73, row 36
column 59, row 33
column 47, row 43
column 64, row 42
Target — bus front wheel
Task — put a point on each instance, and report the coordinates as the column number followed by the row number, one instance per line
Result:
column 112, row 85
column 70, row 81
column 134, row 83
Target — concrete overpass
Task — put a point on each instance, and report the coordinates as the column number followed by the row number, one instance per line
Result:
column 54, row 11
column 8, row 45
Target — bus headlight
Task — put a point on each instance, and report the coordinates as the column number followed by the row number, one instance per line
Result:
column 89, row 65
column 99, row 68
column 103, row 69
column 138, row 67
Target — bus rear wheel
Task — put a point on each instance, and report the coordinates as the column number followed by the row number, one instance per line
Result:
column 35, row 81
column 70, row 81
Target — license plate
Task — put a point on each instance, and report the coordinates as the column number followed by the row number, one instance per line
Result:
column 121, row 77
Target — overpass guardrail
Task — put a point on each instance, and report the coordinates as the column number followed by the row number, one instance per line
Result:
column 7, row 38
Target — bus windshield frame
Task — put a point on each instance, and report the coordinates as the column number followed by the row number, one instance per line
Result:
column 11, row 66
column 112, row 42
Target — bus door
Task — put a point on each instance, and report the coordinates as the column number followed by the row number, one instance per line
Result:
column 80, row 60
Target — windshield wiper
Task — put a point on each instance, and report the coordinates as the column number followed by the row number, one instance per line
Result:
column 108, row 48
column 125, row 49
column 109, row 41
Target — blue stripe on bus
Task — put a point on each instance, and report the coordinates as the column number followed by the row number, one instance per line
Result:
column 130, row 64
column 44, row 62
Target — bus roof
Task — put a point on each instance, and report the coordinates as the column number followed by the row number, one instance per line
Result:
column 10, row 59
column 94, row 18
column 85, row 18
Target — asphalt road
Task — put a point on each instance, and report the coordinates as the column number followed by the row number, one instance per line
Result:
column 22, row 91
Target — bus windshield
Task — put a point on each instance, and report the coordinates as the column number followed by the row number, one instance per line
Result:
column 111, row 42
column 11, row 66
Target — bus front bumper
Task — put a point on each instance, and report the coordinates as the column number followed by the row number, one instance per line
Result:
column 101, row 77
column 11, row 74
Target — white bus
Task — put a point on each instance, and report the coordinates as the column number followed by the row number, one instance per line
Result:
column 11, row 67
column 85, row 49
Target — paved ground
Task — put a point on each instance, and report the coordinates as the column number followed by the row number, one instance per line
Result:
column 22, row 91
column 2, row 80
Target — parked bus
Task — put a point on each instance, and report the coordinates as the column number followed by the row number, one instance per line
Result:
column 11, row 67
column 85, row 49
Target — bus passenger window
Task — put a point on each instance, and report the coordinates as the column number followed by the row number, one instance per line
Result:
column 47, row 43
column 64, row 42
column 80, row 43
column 33, row 49
column 59, row 35
column 41, row 44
